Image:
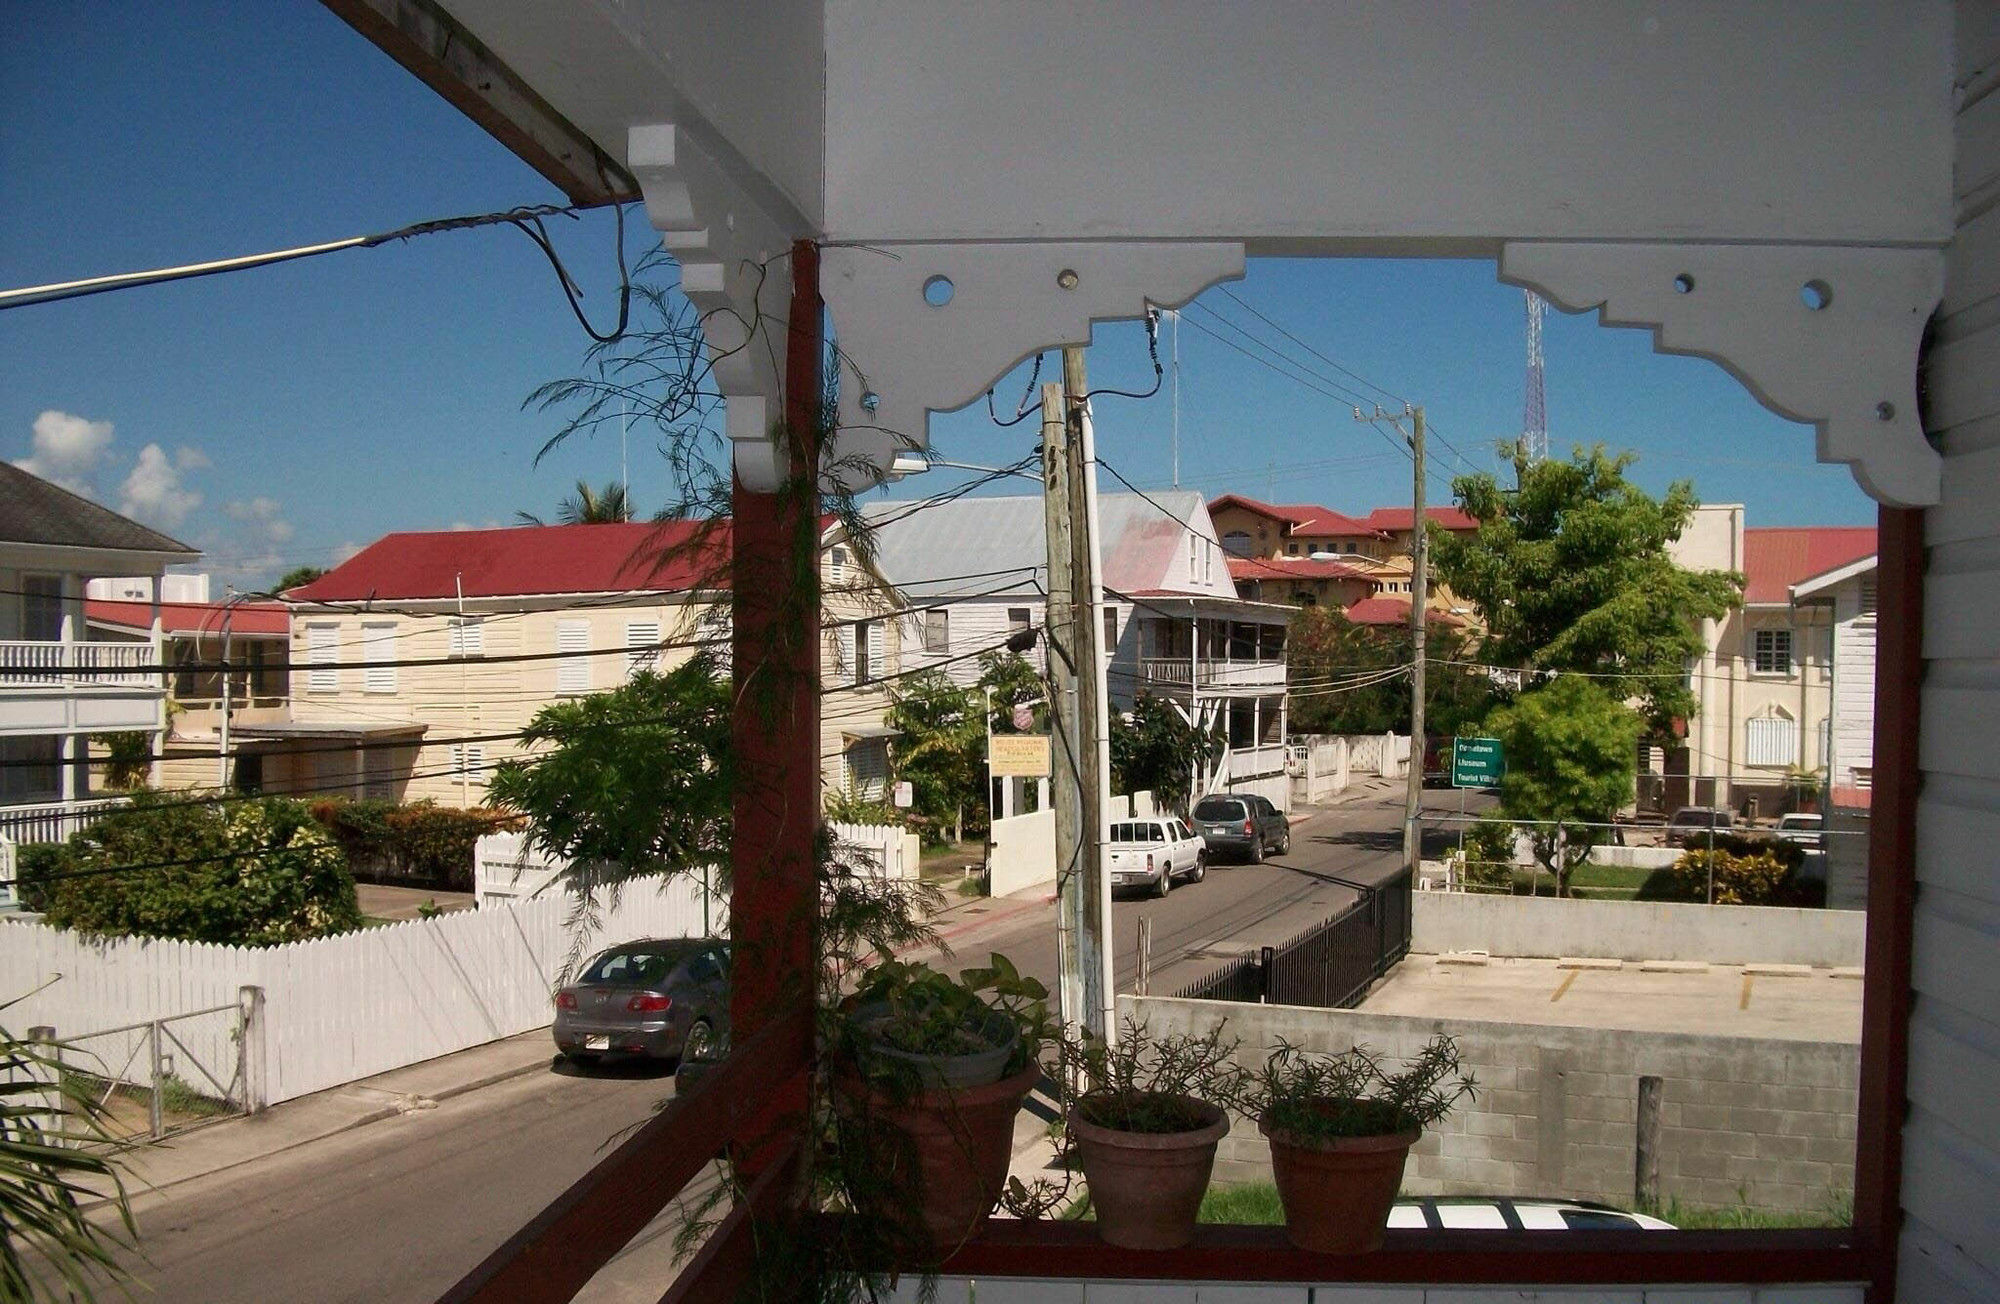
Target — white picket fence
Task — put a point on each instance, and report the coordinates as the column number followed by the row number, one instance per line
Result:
column 341, row 1008
column 893, row 852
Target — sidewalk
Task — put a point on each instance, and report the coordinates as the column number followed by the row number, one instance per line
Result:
column 224, row 1145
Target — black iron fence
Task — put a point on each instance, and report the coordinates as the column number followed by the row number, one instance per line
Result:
column 1331, row 964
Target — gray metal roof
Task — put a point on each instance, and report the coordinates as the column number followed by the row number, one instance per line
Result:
column 34, row 511
column 982, row 546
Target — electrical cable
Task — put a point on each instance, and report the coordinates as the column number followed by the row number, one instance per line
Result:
column 1021, row 410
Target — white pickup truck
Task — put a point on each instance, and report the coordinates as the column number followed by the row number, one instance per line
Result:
column 1153, row 853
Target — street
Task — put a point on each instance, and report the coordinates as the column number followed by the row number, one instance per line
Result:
column 1239, row 907
column 399, row 1209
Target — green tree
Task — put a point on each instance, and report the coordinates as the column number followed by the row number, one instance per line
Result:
column 939, row 750
column 1155, row 748
column 1329, row 662
column 587, row 506
column 1571, row 571
column 297, row 577
column 1009, row 680
column 128, row 757
column 254, row 873
column 1572, row 758
column 634, row 781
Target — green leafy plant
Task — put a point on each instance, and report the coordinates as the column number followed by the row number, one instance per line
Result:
column 1155, row 749
column 1489, row 856
column 1316, row 1096
column 1572, row 759
column 918, row 1010
column 47, row 1179
column 1150, row 1083
column 1744, row 873
column 254, row 873
column 128, row 757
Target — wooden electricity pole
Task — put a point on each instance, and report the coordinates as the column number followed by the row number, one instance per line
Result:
column 1076, row 667
column 1413, row 792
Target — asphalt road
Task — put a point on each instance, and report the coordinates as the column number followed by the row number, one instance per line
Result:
column 400, row 1209
column 1199, row 927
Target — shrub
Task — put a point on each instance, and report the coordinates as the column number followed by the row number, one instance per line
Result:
column 1489, row 856
column 32, row 866
column 422, row 841
column 249, row 874
column 1751, row 874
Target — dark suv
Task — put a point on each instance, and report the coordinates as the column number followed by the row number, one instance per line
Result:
column 1244, row 823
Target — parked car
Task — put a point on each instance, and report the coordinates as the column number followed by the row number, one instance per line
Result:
column 1692, row 826
column 1505, row 1213
column 1806, row 830
column 1242, row 824
column 659, row 998
column 1153, row 853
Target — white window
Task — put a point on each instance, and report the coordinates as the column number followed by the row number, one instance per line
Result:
column 378, row 643
column 468, row 636
column 1018, row 619
column 1772, row 652
column 468, row 761
column 1194, row 546
column 865, row 652
column 642, row 651
column 323, row 655
column 1772, row 740
column 937, row 631
column 573, row 669
column 836, row 563
column 1207, row 562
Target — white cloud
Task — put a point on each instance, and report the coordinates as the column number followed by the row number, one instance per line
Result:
column 153, row 491
column 191, row 459
column 346, row 551
column 263, row 513
column 68, row 449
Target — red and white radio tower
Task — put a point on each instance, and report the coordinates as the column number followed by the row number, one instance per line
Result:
column 1534, row 414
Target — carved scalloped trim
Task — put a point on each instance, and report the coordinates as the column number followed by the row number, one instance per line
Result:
column 1821, row 334
column 909, row 357
column 722, row 240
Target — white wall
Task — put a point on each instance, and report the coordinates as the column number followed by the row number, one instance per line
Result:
column 342, row 1008
column 1023, row 854
column 1853, row 728
column 1636, row 930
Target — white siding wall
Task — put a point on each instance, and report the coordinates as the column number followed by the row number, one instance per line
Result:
column 1853, row 685
column 1951, row 1177
column 976, row 626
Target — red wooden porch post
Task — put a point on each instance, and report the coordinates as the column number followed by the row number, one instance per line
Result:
column 776, row 609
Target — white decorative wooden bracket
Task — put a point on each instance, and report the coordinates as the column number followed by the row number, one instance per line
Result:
column 928, row 327
column 1822, row 334
column 736, row 272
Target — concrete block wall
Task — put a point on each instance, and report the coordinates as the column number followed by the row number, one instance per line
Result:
column 1636, row 930
column 1743, row 1120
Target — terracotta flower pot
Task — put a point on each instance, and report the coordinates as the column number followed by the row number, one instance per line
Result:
column 1146, row 1187
column 942, row 1153
column 1337, row 1191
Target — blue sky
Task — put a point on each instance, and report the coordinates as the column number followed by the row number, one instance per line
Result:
column 285, row 415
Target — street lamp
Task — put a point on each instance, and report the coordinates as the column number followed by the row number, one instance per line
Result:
column 913, row 463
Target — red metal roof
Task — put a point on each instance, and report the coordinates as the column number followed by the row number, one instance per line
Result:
column 1774, row 559
column 528, row 559
column 1292, row 568
column 1388, row 519
column 1393, row 611
column 1303, row 518
column 249, row 619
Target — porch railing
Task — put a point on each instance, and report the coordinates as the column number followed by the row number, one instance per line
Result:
column 53, row 821
column 1256, row 762
column 33, row 663
column 1180, row 672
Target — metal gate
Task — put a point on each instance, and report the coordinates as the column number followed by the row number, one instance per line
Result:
column 165, row 1075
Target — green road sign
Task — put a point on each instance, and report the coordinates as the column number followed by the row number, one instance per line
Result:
column 1477, row 762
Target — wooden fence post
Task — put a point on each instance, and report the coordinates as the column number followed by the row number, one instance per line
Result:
column 1646, row 1153
column 250, row 1049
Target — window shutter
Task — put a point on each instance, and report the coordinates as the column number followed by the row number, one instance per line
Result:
column 641, row 636
column 468, row 636
column 378, row 643
column 323, row 654
column 937, row 631
column 573, row 671
column 843, row 652
column 1772, row 741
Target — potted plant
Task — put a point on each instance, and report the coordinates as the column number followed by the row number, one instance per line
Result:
column 930, row 1072
column 1146, row 1129
column 1341, row 1127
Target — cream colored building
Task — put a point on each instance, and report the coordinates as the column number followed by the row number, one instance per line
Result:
column 418, row 661
column 1786, row 681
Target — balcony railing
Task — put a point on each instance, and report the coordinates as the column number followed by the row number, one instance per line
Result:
column 1256, row 762
column 52, row 821
column 1179, row 672
column 28, row 663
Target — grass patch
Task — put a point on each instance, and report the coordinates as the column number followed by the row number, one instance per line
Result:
column 1836, row 1211
column 1253, row 1203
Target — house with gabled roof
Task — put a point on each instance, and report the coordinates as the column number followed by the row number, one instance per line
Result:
column 58, row 686
column 416, row 661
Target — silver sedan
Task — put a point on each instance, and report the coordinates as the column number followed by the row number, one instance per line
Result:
column 660, row 999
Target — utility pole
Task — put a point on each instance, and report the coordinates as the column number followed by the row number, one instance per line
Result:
column 1081, row 758
column 1413, row 797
